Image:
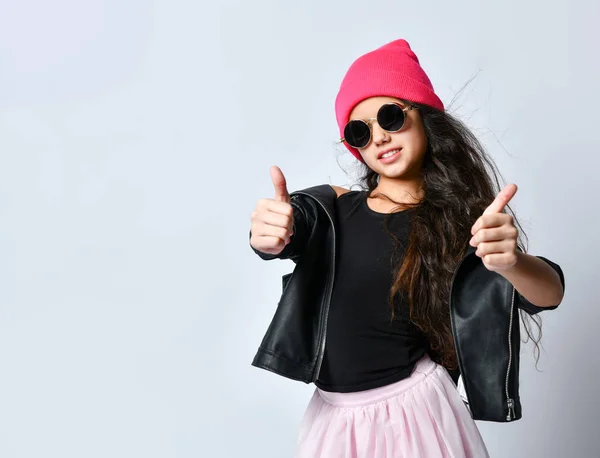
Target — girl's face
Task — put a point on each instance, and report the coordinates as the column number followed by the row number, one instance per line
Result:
column 410, row 140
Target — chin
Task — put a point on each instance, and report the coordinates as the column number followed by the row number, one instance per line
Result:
column 388, row 174
column 396, row 170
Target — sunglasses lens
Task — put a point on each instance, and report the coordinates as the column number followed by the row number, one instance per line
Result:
column 390, row 117
column 357, row 134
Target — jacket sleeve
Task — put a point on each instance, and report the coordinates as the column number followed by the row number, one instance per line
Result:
column 533, row 309
column 294, row 249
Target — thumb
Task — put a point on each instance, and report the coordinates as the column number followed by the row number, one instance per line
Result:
column 279, row 183
column 502, row 199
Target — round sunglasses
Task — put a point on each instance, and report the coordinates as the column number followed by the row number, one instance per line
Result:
column 390, row 117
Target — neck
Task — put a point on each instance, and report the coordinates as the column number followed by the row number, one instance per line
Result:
column 405, row 191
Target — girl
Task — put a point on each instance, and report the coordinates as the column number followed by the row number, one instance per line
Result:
column 405, row 287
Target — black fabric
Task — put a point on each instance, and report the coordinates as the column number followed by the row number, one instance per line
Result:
column 365, row 348
column 486, row 341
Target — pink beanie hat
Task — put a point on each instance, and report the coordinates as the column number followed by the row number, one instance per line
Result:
column 392, row 70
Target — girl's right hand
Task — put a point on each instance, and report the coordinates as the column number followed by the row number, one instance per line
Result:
column 272, row 220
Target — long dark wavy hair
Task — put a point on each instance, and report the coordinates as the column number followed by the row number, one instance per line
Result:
column 460, row 180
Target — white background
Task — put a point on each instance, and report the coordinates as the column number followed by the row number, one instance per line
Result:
column 135, row 139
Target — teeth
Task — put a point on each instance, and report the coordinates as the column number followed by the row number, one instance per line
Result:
column 391, row 153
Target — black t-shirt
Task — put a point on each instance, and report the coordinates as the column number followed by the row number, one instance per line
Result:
column 364, row 348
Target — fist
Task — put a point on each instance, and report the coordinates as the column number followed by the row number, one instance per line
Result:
column 272, row 220
column 495, row 235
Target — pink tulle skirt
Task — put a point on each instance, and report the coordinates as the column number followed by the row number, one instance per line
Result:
column 421, row 416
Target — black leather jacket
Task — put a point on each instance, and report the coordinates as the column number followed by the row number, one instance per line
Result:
column 483, row 312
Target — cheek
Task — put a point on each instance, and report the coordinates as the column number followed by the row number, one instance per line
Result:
column 368, row 158
column 414, row 142
column 416, row 138
column 370, row 162
column 418, row 141
column 368, row 154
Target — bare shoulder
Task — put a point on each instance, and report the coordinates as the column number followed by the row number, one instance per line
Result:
column 339, row 190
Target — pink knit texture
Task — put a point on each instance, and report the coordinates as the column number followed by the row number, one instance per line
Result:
column 392, row 70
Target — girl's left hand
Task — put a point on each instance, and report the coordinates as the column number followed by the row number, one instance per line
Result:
column 495, row 235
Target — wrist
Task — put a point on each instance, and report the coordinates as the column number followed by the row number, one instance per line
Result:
column 511, row 271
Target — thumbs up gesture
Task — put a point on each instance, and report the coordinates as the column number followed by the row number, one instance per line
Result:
column 495, row 235
column 272, row 219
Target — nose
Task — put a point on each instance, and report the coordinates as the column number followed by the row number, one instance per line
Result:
column 380, row 136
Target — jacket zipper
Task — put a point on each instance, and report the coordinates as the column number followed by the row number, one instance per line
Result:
column 325, row 314
column 510, row 403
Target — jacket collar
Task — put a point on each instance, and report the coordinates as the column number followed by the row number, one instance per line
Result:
column 324, row 193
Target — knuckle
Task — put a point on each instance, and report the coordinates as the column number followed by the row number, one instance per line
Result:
column 261, row 204
column 256, row 232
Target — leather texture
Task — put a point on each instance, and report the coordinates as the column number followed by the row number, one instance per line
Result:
column 483, row 311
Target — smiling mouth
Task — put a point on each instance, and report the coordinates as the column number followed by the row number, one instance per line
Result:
column 389, row 154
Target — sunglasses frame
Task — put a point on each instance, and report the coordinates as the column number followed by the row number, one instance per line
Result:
column 369, row 121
